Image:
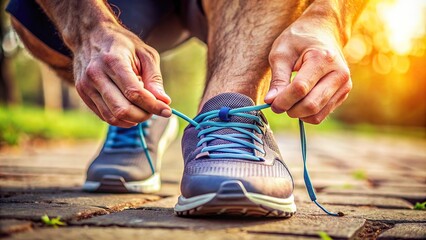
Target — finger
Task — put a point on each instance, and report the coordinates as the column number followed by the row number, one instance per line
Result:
column 318, row 98
column 151, row 73
column 120, row 71
column 281, row 69
column 334, row 102
column 118, row 105
column 89, row 103
column 106, row 114
column 311, row 66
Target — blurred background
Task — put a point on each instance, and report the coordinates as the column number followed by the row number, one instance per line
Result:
column 386, row 55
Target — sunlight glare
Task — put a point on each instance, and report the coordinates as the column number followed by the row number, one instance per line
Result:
column 404, row 21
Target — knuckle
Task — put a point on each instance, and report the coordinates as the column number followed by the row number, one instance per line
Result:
column 82, row 86
column 348, row 87
column 312, row 107
column 291, row 114
column 122, row 112
column 153, row 54
column 276, row 55
column 79, row 86
column 321, row 54
column 344, row 75
column 157, row 78
column 277, row 108
column 314, row 120
column 112, row 120
column 300, row 88
column 110, row 59
column 92, row 71
column 132, row 95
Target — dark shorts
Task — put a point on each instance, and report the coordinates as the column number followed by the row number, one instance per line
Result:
column 162, row 24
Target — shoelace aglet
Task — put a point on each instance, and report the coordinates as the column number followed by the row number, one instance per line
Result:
column 338, row 214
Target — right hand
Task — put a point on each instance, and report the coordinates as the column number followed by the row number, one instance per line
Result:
column 118, row 77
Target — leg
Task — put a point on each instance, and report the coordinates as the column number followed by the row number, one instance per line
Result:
column 58, row 62
column 240, row 37
column 232, row 162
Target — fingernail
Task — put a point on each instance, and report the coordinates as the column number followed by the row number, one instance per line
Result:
column 271, row 94
column 166, row 113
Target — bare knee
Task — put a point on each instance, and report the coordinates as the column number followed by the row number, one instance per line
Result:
column 60, row 63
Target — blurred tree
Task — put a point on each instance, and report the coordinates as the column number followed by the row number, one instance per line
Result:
column 8, row 92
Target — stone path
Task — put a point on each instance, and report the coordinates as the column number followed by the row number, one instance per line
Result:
column 375, row 181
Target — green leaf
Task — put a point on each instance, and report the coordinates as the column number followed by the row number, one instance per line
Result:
column 45, row 219
column 420, row 206
column 324, row 236
column 54, row 222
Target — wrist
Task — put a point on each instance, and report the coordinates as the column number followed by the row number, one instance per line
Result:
column 326, row 15
column 89, row 27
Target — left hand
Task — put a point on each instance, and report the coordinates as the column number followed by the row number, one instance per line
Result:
column 311, row 47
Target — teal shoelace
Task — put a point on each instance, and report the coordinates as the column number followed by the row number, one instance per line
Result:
column 233, row 149
column 126, row 138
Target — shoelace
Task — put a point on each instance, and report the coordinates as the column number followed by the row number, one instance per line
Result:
column 229, row 150
column 119, row 138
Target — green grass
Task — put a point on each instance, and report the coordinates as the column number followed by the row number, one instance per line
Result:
column 18, row 123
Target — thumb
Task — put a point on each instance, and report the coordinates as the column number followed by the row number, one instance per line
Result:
column 154, row 84
column 281, row 73
column 152, row 78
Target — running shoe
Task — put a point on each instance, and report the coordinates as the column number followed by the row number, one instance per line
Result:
column 130, row 159
column 232, row 165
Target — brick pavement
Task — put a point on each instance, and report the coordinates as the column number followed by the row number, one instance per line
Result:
column 374, row 180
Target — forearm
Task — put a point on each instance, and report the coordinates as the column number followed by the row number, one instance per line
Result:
column 338, row 15
column 75, row 20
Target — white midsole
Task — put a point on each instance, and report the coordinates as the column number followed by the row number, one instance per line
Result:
column 152, row 184
column 283, row 204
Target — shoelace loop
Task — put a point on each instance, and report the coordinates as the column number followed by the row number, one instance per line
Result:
column 228, row 150
column 238, row 141
column 119, row 138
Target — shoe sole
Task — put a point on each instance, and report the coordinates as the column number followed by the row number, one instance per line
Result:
column 117, row 184
column 233, row 199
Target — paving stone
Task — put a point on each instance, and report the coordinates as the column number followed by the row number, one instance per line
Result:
column 411, row 197
column 368, row 213
column 300, row 225
column 165, row 218
column 114, row 233
column 42, row 181
column 168, row 202
column 350, row 200
column 110, row 202
column 9, row 226
column 405, row 231
column 34, row 211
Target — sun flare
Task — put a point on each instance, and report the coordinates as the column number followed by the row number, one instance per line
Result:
column 404, row 21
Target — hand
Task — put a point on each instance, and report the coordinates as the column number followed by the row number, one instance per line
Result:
column 310, row 47
column 118, row 77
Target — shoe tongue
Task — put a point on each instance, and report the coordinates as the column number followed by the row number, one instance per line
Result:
column 231, row 100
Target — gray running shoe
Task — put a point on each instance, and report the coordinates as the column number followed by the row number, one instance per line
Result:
column 232, row 163
column 130, row 159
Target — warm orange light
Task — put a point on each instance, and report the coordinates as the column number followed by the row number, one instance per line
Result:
column 404, row 22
